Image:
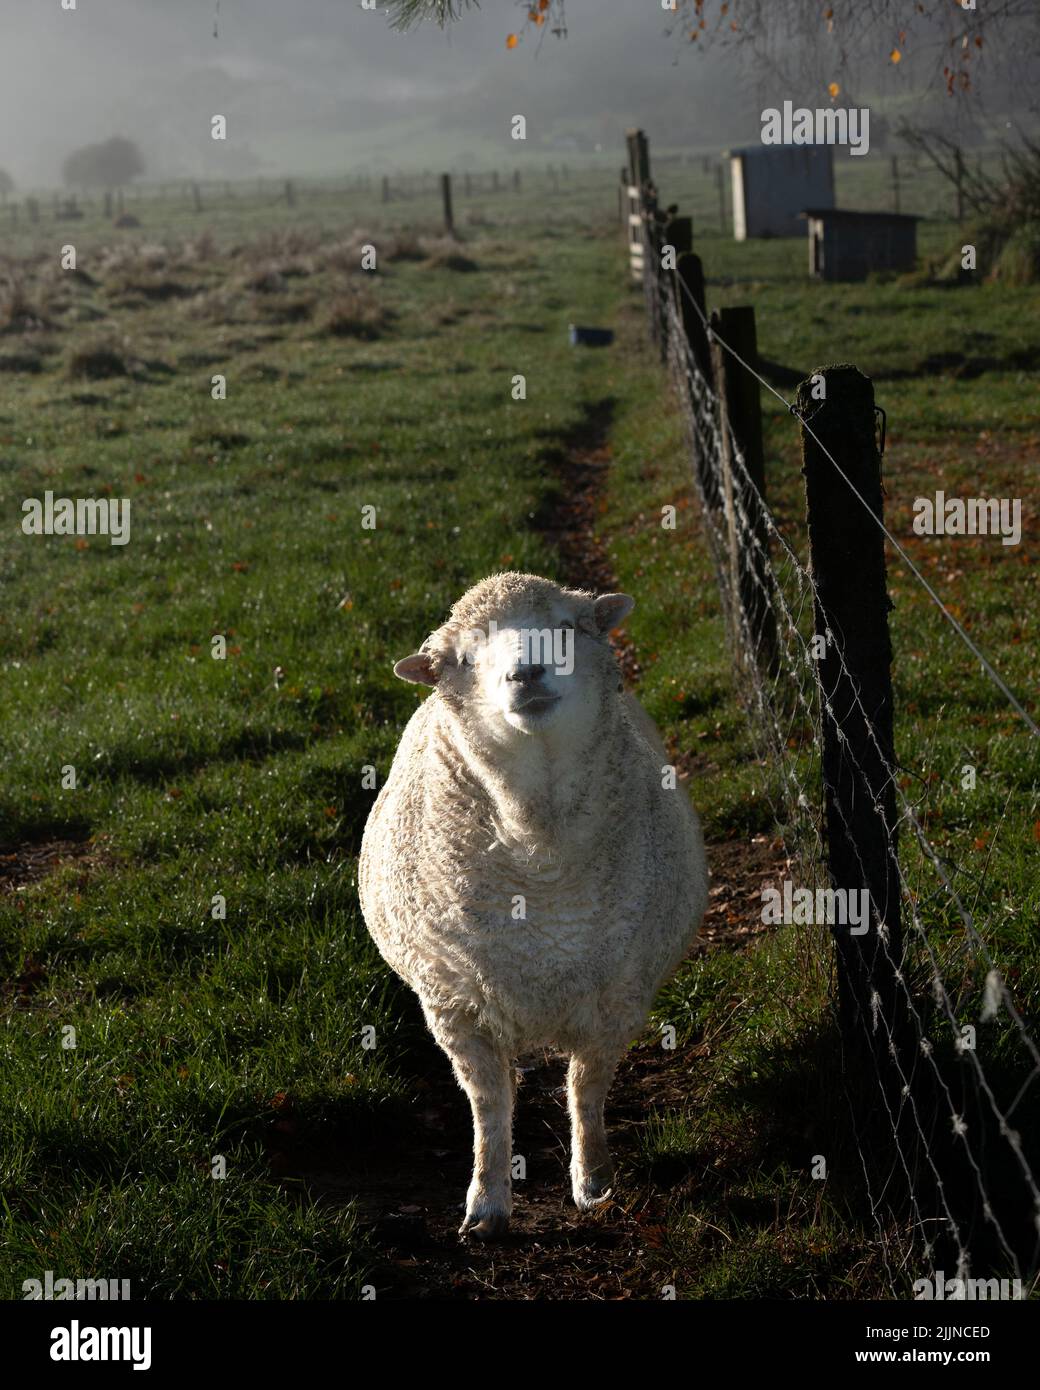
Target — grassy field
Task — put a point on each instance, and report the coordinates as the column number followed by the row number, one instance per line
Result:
column 188, row 907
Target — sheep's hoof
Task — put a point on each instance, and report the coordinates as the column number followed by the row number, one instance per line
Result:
column 489, row 1226
column 591, row 1192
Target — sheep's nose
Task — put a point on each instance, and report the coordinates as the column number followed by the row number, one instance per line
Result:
column 525, row 675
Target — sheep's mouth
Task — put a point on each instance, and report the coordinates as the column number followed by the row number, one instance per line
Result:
column 535, row 704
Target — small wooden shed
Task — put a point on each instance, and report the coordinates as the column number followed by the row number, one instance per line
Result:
column 848, row 245
column 772, row 183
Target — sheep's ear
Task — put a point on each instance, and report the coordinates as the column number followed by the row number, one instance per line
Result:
column 418, row 668
column 612, row 609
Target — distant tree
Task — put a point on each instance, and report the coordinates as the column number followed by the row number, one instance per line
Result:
column 109, row 165
column 6, row 185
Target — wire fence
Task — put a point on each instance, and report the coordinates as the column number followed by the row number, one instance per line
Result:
column 940, row 1068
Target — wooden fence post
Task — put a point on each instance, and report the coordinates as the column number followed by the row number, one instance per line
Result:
column 689, row 291
column 740, row 425
column 677, row 233
column 638, row 157
column 449, row 220
column 847, row 550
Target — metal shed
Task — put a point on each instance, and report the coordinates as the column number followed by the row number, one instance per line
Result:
column 848, row 245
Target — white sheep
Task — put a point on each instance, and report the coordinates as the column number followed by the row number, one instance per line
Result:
column 530, row 868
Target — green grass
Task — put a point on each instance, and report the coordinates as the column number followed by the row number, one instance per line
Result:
column 198, row 1035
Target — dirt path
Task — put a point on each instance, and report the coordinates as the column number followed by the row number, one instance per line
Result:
column 411, row 1194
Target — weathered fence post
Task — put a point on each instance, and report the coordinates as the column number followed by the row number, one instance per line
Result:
column 638, row 157
column 449, row 220
column 743, row 490
column 678, row 234
column 847, row 550
column 689, row 290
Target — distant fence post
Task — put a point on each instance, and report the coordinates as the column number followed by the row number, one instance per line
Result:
column 740, row 424
column 449, row 220
column 720, row 179
column 386, row 189
column 638, row 157
column 895, row 183
column 290, row 194
column 196, row 197
column 854, row 668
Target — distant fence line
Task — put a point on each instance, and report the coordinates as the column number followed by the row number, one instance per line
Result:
column 935, row 1127
column 202, row 194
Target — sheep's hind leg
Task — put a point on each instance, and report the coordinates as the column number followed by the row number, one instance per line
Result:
column 588, row 1080
column 486, row 1074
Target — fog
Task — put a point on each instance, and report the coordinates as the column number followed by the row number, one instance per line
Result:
column 324, row 87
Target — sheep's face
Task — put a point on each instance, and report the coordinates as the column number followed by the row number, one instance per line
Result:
column 524, row 657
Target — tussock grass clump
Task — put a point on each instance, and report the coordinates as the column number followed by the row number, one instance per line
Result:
column 156, row 287
column 443, row 254
column 21, row 362
column 353, row 313
column 1019, row 261
column 96, row 360
column 17, row 313
column 295, row 308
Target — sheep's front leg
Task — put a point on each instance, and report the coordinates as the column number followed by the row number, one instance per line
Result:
column 588, row 1080
column 486, row 1074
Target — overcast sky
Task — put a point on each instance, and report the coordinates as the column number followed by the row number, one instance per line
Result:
column 316, row 86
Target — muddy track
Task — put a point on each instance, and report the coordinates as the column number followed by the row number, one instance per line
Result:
column 410, row 1193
